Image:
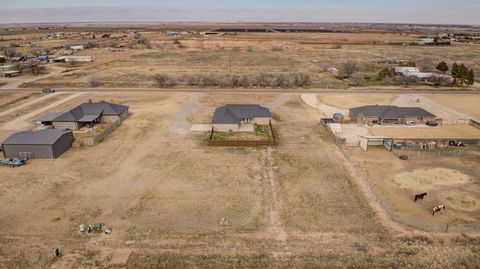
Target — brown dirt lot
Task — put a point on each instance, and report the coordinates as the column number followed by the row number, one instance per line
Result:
column 445, row 131
column 292, row 206
column 449, row 181
column 347, row 101
column 466, row 104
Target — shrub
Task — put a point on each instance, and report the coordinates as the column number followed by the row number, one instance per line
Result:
column 349, row 68
column 357, row 79
column 94, row 80
column 163, row 80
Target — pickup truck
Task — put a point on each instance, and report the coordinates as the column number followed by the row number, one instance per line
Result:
column 13, row 162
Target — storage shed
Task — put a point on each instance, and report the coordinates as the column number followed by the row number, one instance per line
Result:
column 43, row 144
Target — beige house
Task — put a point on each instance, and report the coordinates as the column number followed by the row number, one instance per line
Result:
column 390, row 114
column 240, row 117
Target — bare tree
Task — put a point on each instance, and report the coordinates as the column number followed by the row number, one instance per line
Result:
column 425, row 65
column 349, row 68
column 357, row 79
column 9, row 52
column 440, row 80
column 408, row 80
column 337, row 46
column 94, row 80
column 163, row 80
column 302, row 79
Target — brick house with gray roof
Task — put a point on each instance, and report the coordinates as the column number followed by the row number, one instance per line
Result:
column 240, row 117
column 390, row 114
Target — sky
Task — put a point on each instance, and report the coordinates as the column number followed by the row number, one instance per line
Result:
column 388, row 11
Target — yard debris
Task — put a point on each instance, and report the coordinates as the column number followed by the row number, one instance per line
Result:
column 56, row 252
column 224, row 222
column 108, row 231
column 82, row 228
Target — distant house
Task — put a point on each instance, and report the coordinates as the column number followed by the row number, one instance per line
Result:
column 390, row 114
column 77, row 47
column 86, row 114
column 426, row 41
column 411, row 72
column 73, row 59
column 240, row 117
column 44, row 144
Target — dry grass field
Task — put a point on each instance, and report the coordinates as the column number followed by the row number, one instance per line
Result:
column 246, row 54
column 164, row 192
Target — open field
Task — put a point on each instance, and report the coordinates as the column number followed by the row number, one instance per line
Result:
column 164, row 194
column 240, row 54
column 446, row 131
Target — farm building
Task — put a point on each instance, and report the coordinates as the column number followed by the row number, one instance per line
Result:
column 86, row 114
column 234, row 118
column 390, row 114
column 411, row 72
column 44, row 144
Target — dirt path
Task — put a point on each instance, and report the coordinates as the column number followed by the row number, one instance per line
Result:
column 180, row 126
column 54, row 70
column 328, row 111
column 22, row 122
column 275, row 229
column 13, row 109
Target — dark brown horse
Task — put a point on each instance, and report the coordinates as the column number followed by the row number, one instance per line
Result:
column 420, row 196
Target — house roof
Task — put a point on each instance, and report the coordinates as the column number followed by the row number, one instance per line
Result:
column 390, row 112
column 42, row 137
column 88, row 112
column 233, row 113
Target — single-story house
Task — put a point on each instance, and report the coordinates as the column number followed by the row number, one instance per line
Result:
column 240, row 117
column 77, row 47
column 411, row 71
column 73, row 59
column 86, row 114
column 390, row 114
column 43, row 144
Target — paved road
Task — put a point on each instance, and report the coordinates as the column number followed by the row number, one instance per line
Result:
column 243, row 90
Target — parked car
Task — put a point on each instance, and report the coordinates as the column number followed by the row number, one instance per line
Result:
column 431, row 123
column 400, row 145
column 403, row 157
column 48, row 90
column 410, row 122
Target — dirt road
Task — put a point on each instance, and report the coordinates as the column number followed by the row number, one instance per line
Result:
column 16, row 108
column 18, row 81
column 23, row 123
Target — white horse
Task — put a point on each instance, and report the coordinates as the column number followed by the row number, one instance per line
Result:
column 437, row 209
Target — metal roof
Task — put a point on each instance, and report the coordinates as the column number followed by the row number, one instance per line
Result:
column 390, row 112
column 233, row 113
column 88, row 112
column 42, row 137
column 49, row 116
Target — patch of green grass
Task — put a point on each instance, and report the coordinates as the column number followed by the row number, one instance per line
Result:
column 263, row 130
column 221, row 135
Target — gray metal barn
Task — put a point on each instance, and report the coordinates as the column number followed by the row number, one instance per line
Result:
column 43, row 144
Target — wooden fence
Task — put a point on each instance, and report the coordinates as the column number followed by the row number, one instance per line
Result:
column 338, row 140
column 92, row 140
column 243, row 143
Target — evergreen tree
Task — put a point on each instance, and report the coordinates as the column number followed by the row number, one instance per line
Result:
column 470, row 77
column 443, row 67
